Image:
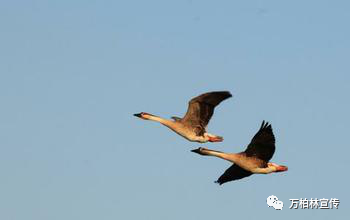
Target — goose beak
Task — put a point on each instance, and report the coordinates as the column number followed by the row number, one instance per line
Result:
column 198, row 150
column 139, row 115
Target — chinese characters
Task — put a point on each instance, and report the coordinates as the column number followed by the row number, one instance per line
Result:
column 314, row 203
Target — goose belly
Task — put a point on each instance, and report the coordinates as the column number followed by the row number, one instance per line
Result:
column 249, row 163
column 188, row 134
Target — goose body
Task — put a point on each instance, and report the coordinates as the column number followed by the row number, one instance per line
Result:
column 254, row 160
column 193, row 125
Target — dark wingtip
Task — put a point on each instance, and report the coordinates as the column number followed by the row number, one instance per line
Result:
column 265, row 124
column 227, row 94
column 262, row 125
column 218, row 182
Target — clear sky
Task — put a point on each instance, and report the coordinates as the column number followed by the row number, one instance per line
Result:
column 72, row 73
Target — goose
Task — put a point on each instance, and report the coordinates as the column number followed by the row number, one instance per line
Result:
column 254, row 160
column 193, row 126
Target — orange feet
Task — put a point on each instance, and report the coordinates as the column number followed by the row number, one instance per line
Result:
column 215, row 139
column 281, row 168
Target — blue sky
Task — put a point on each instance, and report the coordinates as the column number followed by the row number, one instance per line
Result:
column 72, row 73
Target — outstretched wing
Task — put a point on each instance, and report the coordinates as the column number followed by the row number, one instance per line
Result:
column 233, row 173
column 262, row 145
column 201, row 108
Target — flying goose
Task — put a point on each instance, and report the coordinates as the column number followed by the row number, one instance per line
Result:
column 193, row 125
column 255, row 159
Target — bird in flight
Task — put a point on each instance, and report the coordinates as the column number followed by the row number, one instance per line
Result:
column 254, row 160
column 193, row 126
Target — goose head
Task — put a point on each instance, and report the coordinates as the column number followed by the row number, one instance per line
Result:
column 143, row 115
column 199, row 150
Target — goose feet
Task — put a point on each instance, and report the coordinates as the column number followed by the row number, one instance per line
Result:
column 215, row 139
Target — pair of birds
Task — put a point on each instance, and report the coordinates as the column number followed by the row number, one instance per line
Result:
column 193, row 126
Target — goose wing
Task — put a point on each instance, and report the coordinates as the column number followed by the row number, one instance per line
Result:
column 233, row 173
column 262, row 145
column 201, row 109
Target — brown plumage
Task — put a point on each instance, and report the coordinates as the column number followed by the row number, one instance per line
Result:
column 255, row 159
column 201, row 109
column 193, row 125
column 262, row 146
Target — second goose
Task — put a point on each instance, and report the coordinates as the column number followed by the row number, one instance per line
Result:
column 255, row 159
column 193, row 125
